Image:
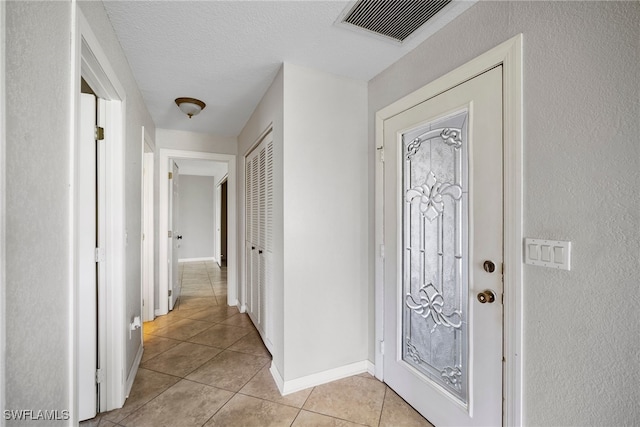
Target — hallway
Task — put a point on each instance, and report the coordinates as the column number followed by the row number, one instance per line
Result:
column 204, row 364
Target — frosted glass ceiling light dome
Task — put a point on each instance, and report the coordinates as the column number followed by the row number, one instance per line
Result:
column 190, row 106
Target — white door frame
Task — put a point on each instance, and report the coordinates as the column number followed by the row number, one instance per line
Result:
column 148, row 227
column 90, row 62
column 163, row 222
column 509, row 54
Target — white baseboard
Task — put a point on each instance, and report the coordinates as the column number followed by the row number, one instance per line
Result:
column 133, row 371
column 288, row 387
column 371, row 368
column 242, row 308
column 210, row 258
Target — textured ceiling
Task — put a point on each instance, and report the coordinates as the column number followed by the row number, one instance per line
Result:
column 227, row 53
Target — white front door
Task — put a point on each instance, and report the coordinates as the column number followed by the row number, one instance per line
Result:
column 87, row 273
column 443, row 239
column 174, row 203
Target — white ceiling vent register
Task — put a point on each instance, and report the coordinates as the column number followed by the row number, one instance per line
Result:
column 398, row 20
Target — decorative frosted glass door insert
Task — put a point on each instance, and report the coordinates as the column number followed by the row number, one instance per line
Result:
column 435, row 283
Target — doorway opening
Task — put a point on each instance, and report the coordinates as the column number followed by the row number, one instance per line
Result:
column 166, row 231
column 222, row 224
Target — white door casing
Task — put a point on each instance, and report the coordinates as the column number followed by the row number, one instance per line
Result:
column 148, row 263
column 509, row 56
column 166, row 155
column 174, row 237
column 87, row 277
column 443, row 219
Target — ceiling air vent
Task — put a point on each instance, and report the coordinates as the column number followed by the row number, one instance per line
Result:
column 395, row 19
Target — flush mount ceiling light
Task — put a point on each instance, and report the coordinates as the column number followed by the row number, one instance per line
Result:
column 190, row 106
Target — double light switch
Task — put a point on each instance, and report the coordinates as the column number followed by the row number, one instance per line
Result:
column 548, row 253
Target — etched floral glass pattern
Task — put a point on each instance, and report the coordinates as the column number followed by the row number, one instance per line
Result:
column 435, row 278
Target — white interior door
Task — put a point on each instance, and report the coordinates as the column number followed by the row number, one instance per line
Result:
column 174, row 207
column 259, row 232
column 443, row 237
column 87, row 273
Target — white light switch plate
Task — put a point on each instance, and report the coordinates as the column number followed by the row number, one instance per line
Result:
column 548, row 253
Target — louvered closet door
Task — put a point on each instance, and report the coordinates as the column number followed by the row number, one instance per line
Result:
column 255, row 245
column 259, row 231
column 249, row 229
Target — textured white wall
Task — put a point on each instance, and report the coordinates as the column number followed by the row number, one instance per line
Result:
column 269, row 111
column 319, row 130
column 196, row 216
column 3, row 144
column 194, row 141
column 325, row 213
column 38, row 284
column 581, row 182
column 39, row 287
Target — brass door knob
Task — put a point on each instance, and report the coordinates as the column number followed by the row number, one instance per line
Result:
column 486, row 296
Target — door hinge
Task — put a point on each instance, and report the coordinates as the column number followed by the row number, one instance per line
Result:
column 99, row 255
column 381, row 150
column 382, row 347
column 99, row 133
column 170, row 292
column 99, row 376
column 170, row 175
column 170, row 234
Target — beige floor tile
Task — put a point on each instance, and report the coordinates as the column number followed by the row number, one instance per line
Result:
column 185, row 404
column 311, row 419
column 155, row 345
column 182, row 313
column 197, row 302
column 263, row 386
column 181, row 359
column 197, row 293
column 245, row 411
column 397, row 412
column 240, row 319
column 147, row 385
column 229, row 370
column 354, row 399
column 159, row 322
column 215, row 314
column 220, row 336
column 182, row 329
column 251, row 344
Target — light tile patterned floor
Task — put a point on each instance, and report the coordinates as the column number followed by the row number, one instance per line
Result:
column 204, row 364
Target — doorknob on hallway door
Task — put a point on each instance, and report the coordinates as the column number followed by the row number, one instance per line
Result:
column 486, row 296
column 179, row 237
